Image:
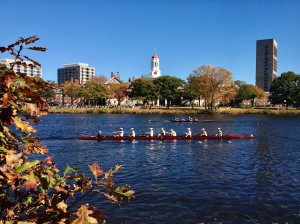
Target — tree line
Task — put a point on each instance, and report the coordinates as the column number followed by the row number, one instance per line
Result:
column 213, row 85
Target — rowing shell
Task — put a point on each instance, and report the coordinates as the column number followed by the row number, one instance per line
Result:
column 198, row 137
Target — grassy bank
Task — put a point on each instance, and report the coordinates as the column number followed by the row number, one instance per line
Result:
column 173, row 110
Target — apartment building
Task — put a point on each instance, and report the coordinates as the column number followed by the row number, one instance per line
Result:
column 79, row 72
column 28, row 70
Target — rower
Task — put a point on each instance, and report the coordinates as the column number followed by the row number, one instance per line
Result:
column 196, row 119
column 182, row 119
column 190, row 119
column 188, row 133
column 219, row 133
column 204, row 133
column 119, row 133
column 172, row 133
column 99, row 134
column 150, row 133
column 132, row 133
column 162, row 133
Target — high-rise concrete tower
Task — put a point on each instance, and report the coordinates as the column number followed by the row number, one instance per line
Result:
column 154, row 72
column 266, row 63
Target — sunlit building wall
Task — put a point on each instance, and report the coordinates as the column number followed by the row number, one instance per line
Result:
column 27, row 70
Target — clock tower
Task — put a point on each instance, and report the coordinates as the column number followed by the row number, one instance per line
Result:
column 154, row 72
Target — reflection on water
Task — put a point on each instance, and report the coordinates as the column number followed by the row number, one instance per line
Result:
column 237, row 181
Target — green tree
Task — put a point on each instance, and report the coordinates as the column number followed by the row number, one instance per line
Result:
column 212, row 84
column 190, row 93
column 285, row 89
column 143, row 89
column 168, row 87
column 249, row 92
column 35, row 190
column 297, row 93
column 93, row 91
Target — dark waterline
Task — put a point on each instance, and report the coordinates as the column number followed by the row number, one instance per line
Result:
column 238, row 181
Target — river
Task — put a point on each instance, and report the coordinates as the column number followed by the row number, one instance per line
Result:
column 236, row 181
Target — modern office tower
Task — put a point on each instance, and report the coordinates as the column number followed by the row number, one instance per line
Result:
column 78, row 72
column 266, row 63
column 27, row 70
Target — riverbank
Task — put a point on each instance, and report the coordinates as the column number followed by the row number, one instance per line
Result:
column 174, row 110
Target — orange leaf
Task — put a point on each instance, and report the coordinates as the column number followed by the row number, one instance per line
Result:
column 96, row 170
column 84, row 215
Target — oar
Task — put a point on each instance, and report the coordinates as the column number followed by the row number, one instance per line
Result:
column 158, row 121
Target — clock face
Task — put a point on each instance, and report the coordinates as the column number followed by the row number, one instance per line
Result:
column 155, row 72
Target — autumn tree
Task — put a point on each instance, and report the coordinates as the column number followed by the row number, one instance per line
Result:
column 49, row 93
column 93, row 91
column 249, row 92
column 35, row 190
column 118, row 91
column 143, row 89
column 71, row 89
column 212, row 84
column 100, row 79
column 168, row 87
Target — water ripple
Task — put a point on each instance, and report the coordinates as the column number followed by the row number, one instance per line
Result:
column 242, row 181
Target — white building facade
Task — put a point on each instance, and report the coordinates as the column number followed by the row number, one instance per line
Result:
column 79, row 72
column 28, row 70
column 155, row 71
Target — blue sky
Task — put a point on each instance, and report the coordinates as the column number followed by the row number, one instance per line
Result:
column 122, row 35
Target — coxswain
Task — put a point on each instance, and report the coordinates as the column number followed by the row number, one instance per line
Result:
column 119, row 133
column 162, row 133
column 99, row 134
column 204, row 133
column 172, row 133
column 219, row 133
column 188, row 133
column 150, row 133
column 132, row 133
